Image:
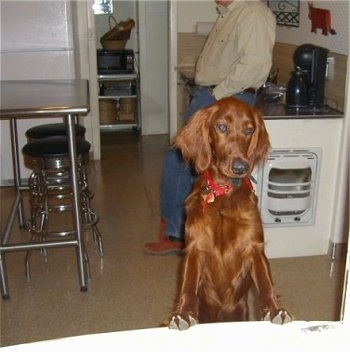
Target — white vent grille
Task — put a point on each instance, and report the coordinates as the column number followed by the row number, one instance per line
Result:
column 289, row 185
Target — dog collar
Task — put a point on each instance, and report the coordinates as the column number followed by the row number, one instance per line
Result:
column 213, row 190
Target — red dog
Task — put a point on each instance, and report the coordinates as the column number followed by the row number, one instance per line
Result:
column 224, row 252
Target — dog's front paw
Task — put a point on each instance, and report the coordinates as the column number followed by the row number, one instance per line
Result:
column 178, row 322
column 280, row 317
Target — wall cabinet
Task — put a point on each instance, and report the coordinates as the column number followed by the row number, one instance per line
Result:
column 119, row 101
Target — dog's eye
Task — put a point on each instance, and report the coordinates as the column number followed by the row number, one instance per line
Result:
column 222, row 127
column 249, row 130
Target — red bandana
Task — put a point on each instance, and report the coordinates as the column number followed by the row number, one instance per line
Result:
column 214, row 190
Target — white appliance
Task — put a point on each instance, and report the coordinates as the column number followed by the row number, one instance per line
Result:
column 289, row 187
column 36, row 43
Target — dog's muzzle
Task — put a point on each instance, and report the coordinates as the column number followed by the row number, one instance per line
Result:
column 240, row 167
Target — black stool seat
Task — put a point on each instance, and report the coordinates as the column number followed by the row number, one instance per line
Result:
column 53, row 153
column 53, row 129
column 54, row 147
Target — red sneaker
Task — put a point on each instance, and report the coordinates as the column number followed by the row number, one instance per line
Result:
column 164, row 245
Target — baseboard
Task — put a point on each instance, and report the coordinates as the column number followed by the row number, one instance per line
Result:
column 337, row 250
column 11, row 182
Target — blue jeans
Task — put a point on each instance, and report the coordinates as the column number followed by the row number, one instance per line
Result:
column 177, row 179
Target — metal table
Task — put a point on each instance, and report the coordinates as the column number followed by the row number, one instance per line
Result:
column 46, row 98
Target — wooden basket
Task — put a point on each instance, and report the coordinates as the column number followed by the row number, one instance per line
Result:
column 113, row 44
column 108, row 111
column 127, row 104
column 118, row 35
column 127, row 109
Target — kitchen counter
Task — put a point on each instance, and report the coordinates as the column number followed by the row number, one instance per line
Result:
column 316, row 132
column 278, row 110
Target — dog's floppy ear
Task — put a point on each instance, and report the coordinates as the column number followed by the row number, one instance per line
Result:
column 260, row 143
column 193, row 139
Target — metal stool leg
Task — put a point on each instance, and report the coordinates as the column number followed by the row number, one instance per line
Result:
column 90, row 219
column 37, row 225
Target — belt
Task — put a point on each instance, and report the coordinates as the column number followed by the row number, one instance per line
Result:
column 250, row 90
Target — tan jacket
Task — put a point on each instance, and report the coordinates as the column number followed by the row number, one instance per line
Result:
column 238, row 51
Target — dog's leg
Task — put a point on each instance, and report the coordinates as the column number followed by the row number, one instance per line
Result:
column 262, row 279
column 186, row 313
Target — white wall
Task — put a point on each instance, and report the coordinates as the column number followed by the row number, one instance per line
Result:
column 154, row 68
column 189, row 15
column 338, row 43
column 36, row 43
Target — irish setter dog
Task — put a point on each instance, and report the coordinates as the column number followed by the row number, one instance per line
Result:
column 224, row 252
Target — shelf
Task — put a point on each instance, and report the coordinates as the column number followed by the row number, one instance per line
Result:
column 115, row 87
column 122, row 125
column 117, row 96
column 120, row 77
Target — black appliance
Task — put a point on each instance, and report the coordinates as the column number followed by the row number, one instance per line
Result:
column 305, row 89
column 111, row 62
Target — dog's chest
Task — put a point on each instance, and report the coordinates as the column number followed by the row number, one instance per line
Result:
column 230, row 199
column 224, row 221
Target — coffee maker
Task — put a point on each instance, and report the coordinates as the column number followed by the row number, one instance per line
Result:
column 305, row 89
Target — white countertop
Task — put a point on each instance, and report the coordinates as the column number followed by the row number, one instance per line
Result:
column 258, row 336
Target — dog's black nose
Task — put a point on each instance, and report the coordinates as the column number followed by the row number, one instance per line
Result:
column 240, row 167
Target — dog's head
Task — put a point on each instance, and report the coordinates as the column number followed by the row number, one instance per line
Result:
column 229, row 135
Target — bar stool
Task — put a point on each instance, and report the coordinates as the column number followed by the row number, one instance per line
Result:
column 56, row 129
column 53, row 129
column 51, row 191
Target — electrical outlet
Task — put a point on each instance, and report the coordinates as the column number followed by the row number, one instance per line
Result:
column 330, row 68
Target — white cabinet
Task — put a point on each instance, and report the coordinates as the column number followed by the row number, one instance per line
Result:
column 119, row 102
column 297, row 134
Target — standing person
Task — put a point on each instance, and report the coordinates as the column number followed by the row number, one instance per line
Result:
column 235, row 61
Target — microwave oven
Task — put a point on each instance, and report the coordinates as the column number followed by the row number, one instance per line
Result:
column 111, row 62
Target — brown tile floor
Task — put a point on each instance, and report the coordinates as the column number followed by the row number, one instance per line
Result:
column 128, row 288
